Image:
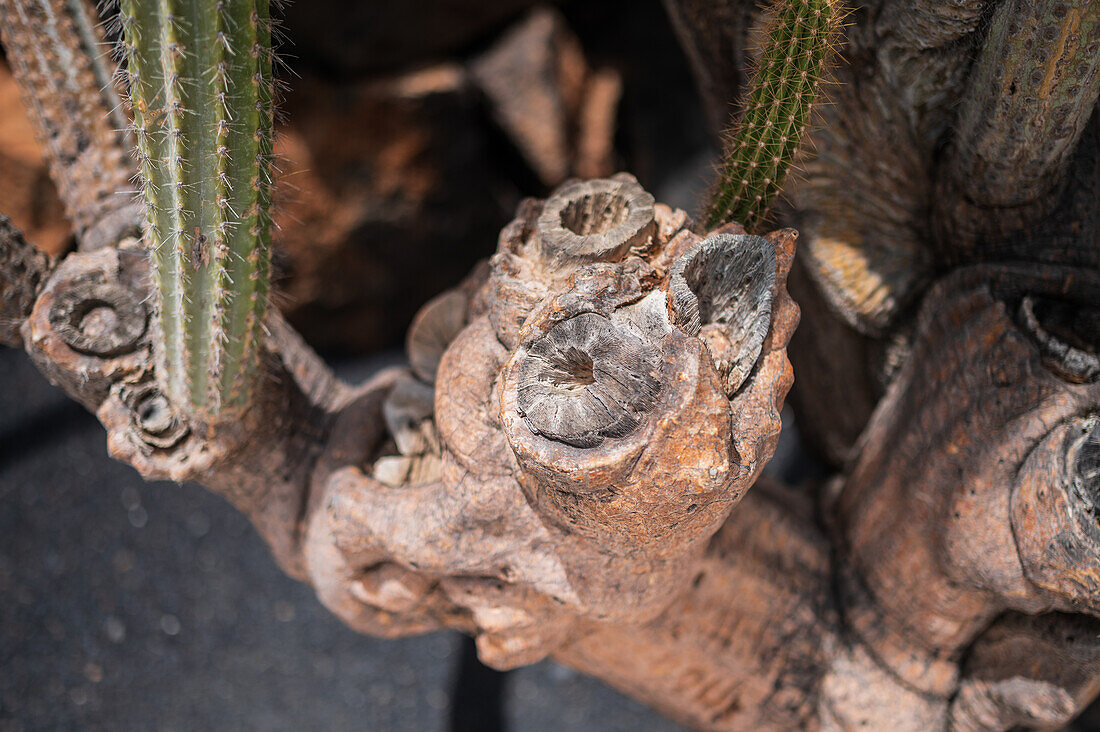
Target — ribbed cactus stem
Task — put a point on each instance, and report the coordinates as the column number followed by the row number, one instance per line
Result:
column 781, row 94
column 201, row 89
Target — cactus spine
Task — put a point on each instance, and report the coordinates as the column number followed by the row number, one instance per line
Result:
column 782, row 91
column 201, row 89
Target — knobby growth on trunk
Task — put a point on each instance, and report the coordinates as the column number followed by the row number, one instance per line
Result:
column 570, row 465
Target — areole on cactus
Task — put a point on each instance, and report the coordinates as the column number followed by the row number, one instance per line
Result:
column 202, row 94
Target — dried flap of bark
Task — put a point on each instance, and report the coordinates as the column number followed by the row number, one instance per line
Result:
column 432, row 330
column 722, row 291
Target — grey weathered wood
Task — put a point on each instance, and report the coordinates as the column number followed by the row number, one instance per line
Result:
column 587, row 379
column 725, row 284
column 594, row 221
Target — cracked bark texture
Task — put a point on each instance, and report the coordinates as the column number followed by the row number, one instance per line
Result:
column 565, row 467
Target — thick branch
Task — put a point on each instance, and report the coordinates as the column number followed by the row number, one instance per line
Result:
column 961, row 504
column 747, row 644
column 67, row 78
column 616, row 391
column 600, row 530
column 91, row 333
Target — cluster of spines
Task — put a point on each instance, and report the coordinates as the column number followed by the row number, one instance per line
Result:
column 761, row 147
column 202, row 94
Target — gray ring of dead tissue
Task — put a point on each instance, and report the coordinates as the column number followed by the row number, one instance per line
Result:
column 727, row 281
column 1066, row 334
column 1085, row 467
column 595, row 221
column 587, row 379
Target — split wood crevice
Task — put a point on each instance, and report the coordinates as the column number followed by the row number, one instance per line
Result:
column 565, row 468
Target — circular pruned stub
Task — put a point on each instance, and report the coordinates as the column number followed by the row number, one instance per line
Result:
column 154, row 419
column 594, row 221
column 1055, row 509
column 102, row 319
column 587, row 379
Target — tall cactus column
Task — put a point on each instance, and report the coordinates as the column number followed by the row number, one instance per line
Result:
column 792, row 63
column 202, row 92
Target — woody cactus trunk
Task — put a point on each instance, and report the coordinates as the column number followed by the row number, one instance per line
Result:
column 570, row 465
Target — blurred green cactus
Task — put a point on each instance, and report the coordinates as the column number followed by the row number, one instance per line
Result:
column 798, row 39
column 202, row 90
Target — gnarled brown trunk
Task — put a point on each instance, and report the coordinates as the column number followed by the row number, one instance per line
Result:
column 568, row 466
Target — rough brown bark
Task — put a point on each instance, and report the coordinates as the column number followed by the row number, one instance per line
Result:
column 961, row 400
column 529, row 534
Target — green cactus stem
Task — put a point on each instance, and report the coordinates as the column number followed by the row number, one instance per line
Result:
column 762, row 145
column 201, row 89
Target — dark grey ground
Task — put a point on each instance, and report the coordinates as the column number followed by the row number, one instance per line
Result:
column 126, row 605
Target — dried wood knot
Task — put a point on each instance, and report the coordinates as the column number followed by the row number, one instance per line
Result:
column 1056, row 513
column 588, row 378
column 154, row 419
column 595, row 221
column 97, row 318
column 1086, row 468
column 1067, row 334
